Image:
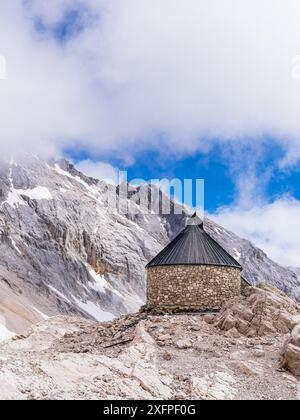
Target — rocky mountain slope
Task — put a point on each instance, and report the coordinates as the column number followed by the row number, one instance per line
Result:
column 240, row 353
column 63, row 250
column 296, row 270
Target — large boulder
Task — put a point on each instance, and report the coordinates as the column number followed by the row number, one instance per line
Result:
column 290, row 358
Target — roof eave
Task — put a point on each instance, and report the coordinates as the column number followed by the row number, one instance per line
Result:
column 149, row 265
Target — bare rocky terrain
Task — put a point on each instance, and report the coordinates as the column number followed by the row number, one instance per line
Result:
column 243, row 352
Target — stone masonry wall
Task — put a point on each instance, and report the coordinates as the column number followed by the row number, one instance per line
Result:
column 194, row 286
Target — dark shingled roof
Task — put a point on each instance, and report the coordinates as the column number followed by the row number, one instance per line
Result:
column 193, row 246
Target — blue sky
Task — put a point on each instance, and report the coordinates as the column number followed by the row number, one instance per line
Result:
column 165, row 90
column 218, row 167
column 220, row 188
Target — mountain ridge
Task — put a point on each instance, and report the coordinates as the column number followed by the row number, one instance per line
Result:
column 64, row 251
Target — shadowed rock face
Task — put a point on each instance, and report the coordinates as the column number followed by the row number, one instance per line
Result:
column 62, row 250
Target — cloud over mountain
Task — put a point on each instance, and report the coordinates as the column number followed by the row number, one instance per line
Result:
column 102, row 73
column 271, row 226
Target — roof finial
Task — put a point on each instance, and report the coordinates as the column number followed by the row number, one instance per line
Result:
column 195, row 220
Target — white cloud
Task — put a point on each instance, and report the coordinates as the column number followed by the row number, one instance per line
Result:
column 189, row 70
column 273, row 227
column 99, row 170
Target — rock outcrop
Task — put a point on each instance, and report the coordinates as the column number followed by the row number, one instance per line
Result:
column 261, row 311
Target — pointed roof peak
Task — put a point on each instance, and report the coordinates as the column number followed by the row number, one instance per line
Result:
column 194, row 246
column 195, row 220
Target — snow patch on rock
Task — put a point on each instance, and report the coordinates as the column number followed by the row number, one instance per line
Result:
column 237, row 255
column 14, row 198
column 58, row 293
column 15, row 246
column 5, row 334
column 42, row 315
column 101, row 285
column 94, row 310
